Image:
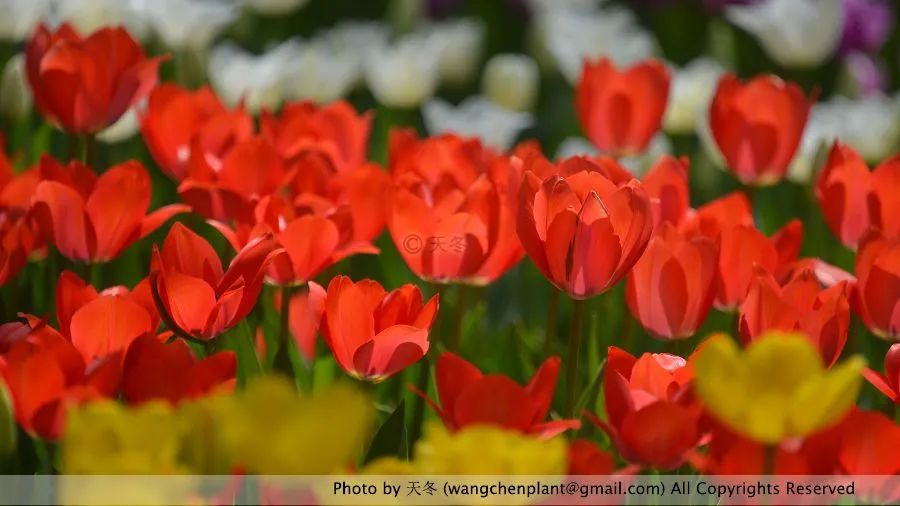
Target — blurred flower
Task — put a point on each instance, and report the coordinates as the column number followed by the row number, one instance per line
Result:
column 154, row 370
column 351, row 40
column 867, row 24
column 582, row 229
column 304, row 317
column 461, row 43
column 104, row 323
column 179, row 124
column 866, row 74
column 853, row 199
column 123, row 129
column 15, row 97
column 90, row 15
column 21, row 16
column 449, row 214
column 868, row 124
column 620, row 111
column 511, row 81
column 194, row 293
column 667, row 185
column 469, row 398
column 652, row 418
column 692, row 89
column 485, row 450
column 877, row 296
column 670, row 290
column 372, row 333
column 46, row 376
column 274, row 7
column 404, row 74
column 794, row 33
column 319, row 73
column 186, row 24
column 575, row 35
column 758, row 125
column 8, row 432
column 108, row 438
column 585, row 457
column 476, row 116
column 889, row 382
column 92, row 219
column 800, row 304
column 256, row 81
column 776, row 389
column 575, row 146
column 73, row 84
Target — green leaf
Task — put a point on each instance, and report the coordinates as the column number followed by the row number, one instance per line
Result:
column 7, row 425
column 591, row 391
column 240, row 340
column 390, row 440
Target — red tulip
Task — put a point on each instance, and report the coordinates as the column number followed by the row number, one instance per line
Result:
column 889, row 382
column 800, row 304
column 651, row 417
column 304, row 317
column 468, row 397
column 93, row 221
column 877, row 295
column 178, row 122
column 46, row 375
column 372, row 333
column 156, row 370
column 333, row 136
column 105, row 323
column 194, row 294
column 449, row 214
column 667, row 185
column 826, row 274
column 723, row 213
column 853, row 199
column 621, row 110
column 583, row 231
column 85, row 84
column 758, row 125
column 671, row 288
column 586, row 458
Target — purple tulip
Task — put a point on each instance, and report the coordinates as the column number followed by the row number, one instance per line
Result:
column 867, row 24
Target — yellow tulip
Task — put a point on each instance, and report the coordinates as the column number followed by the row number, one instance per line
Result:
column 777, row 388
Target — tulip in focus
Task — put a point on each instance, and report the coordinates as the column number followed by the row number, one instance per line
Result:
column 853, row 199
column 84, row 84
column 470, row 398
column 194, row 294
column 757, row 126
column 776, row 389
column 621, row 110
column 877, row 296
column 372, row 333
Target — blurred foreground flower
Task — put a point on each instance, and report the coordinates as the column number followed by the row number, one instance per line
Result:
column 776, row 389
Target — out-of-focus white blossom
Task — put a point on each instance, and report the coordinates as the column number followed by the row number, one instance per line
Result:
column 353, row 40
column 123, row 129
column 15, row 96
column 692, row 90
column 637, row 165
column 257, row 79
column 405, row 73
column 461, row 43
column 794, row 33
column 88, row 16
column 19, row 17
column 476, row 116
column 316, row 72
column 511, row 80
column 870, row 125
column 274, row 7
column 186, row 24
column 575, row 146
column 822, row 128
column 572, row 36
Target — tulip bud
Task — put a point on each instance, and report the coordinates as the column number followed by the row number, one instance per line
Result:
column 511, row 80
column 15, row 98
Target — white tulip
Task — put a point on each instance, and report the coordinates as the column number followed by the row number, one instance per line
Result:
column 274, row 7
column 15, row 96
column 404, row 74
column 319, row 74
column 637, row 165
column 123, row 129
column 794, row 33
column 186, row 24
column 461, row 44
column 692, row 89
column 870, row 125
column 572, row 36
column 258, row 80
column 88, row 16
column 20, row 17
column 575, row 146
column 353, row 40
column 476, row 117
column 822, row 128
column 511, row 80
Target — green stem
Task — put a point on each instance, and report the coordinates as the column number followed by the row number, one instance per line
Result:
column 550, row 326
column 459, row 312
column 89, row 151
column 418, row 412
column 572, row 357
column 282, row 363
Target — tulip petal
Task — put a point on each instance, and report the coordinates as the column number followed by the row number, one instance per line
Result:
column 393, row 349
column 107, row 325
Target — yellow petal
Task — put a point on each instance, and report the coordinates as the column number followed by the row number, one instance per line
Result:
column 721, row 380
column 825, row 399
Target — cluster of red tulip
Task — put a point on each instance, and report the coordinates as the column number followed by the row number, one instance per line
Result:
column 296, row 195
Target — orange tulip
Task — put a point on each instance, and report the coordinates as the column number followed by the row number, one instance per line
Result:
column 853, row 199
column 877, row 296
column 582, row 230
column 372, row 333
column 85, row 84
column 758, row 125
column 671, row 288
column 92, row 220
column 621, row 110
